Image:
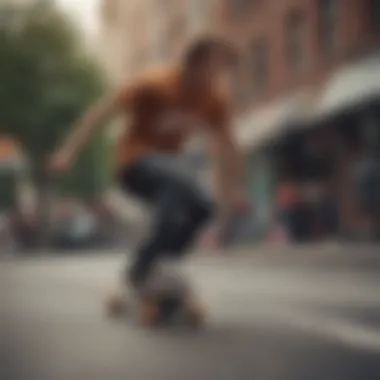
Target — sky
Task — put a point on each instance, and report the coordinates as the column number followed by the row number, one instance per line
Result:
column 84, row 11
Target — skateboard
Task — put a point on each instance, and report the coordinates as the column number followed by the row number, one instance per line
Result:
column 166, row 300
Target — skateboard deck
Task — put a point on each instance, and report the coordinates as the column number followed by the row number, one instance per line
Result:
column 167, row 299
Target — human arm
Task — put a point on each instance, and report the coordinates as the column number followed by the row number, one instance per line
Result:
column 227, row 157
column 80, row 133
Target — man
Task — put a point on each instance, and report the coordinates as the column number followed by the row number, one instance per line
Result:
column 166, row 107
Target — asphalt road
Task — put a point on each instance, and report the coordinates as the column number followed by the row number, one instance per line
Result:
column 302, row 319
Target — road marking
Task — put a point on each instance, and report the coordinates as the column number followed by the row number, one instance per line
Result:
column 265, row 296
column 355, row 335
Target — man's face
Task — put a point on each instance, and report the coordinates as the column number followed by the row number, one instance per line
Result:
column 214, row 68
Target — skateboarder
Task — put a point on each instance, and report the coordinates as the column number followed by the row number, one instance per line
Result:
column 166, row 106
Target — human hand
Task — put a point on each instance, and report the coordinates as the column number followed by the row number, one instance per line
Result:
column 59, row 163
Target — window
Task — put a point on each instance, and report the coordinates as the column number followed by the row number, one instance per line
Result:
column 178, row 26
column 295, row 34
column 237, row 8
column 373, row 9
column 161, row 51
column 159, row 33
column 260, row 65
column 328, row 25
column 110, row 12
column 198, row 12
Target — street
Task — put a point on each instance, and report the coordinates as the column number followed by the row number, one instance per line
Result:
column 269, row 319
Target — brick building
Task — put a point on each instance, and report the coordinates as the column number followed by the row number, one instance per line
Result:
column 310, row 72
column 294, row 45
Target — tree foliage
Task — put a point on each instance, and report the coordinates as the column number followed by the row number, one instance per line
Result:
column 46, row 82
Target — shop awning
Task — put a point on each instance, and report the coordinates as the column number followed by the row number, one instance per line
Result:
column 261, row 125
column 350, row 87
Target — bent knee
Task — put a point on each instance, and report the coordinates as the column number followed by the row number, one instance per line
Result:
column 196, row 202
column 202, row 208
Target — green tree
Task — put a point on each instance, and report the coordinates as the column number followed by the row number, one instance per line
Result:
column 90, row 176
column 47, row 81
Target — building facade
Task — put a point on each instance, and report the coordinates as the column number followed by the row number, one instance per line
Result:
column 293, row 43
column 311, row 63
column 304, row 64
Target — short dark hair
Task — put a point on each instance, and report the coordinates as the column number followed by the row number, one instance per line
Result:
column 201, row 50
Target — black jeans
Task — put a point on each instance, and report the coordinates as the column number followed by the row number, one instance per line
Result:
column 182, row 208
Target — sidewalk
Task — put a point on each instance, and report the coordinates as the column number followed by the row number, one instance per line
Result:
column 326, row 248
column 323, row 254
column 316, row 254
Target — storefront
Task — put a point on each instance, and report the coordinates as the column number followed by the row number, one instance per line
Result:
column 305, row 188
column 350, row 105
column 319, row 159
column 258, row 134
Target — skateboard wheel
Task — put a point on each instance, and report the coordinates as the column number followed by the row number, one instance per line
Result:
column 195, row 315
column 149, row 313
column 115, row 305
